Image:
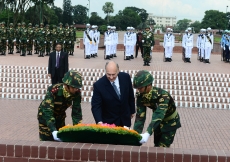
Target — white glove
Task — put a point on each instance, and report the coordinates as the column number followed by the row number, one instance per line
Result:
column 127, row 128
column 33, row 40
column 50, row 41
column 54, row 133
column 45, row 42
column 6, row 40
column 145, row 137
column 124, row 45
column 64, row 42
column 221, row 46
column 151, row 48
column 56, row 41
column 27, row 40
column 224, row 48
column 100, row 122
column 143, row 41
column 228, row 48
column 14, row 40
column 69, row 41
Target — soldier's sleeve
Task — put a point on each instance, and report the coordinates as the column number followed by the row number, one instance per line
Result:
column 140, row 116
column 153, row 41
column 76, row 110
column 47, row 109
column 159, row 113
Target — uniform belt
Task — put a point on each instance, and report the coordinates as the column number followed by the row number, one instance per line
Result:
column 171, row 116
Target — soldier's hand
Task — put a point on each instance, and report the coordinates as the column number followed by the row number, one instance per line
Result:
column 151, row 48
column 27, row 40
column 100, row 122
column 143, row 41
column 49, row 75
column 54, row 133
column 145, row 137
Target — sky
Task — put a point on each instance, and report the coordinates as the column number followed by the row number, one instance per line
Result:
column 181, row 9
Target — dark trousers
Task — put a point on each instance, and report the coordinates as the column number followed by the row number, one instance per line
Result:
column 137, row 48
column 227, row 52
column 56, row 78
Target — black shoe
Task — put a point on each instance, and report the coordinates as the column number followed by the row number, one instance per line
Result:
column 23, row 54
column 18, row 52
column 170, row 59
column 141, row 55
column 145, row 64
column 107, row 58
column 132, row 57
column 189, row 60
column 202, row 59
column 114, row 55
column 111, row 56
column 47, row 54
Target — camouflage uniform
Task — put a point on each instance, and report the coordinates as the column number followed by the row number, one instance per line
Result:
column 36, row 45
column 30, row 39
column 67, row 44
column 41, row 41
column 51, row 112
column 54, row 37
column 60, row 35
column 165, row 119
column 23, row 39
column 3, row 37
column 48, row 40
column 149, row 42
column 72, row 38
column 11, row 37
column 17, row 36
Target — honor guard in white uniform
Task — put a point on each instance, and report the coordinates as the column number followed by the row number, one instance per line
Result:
column 87, row 41
column 172, row 45
column 168, row 44
column 208, row 39
column 108, row 41
column 200, row 44
column 94, row 41
column 128, row 43
column 183, row 43
column 134, row 38
column 115, row 41
column 188, row 44
column 97, row 39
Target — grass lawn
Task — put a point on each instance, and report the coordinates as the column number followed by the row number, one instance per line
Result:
column 79, row 34
column 217, row 39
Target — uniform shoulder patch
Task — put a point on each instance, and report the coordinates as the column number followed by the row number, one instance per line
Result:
column 55, row 88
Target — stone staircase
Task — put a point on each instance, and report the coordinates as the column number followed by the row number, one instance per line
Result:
column 194, row 90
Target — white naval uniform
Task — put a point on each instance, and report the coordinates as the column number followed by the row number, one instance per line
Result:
column 134, row 39
column 208, row 39
column 115, row 42
column 168, row 44
column 87, row 41
column 98, row 41
column 108, row 42
column 188, row 45
column 200, row 44
column 128, row 43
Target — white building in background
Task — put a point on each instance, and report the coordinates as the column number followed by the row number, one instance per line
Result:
column 163, row 20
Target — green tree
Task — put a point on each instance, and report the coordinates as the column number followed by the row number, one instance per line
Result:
column 183, row 24
column 214, row 19
column 96, row 20
column 58, row 12
column 108, row 8
column 196, row 26
column 67, row 12
column 142, row 13
column 80, row 14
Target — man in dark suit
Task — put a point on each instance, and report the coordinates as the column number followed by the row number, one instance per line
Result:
column 113, row 98
column 139, row 43
column 58, row 65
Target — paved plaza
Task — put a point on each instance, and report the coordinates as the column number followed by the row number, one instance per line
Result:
column 201, row 128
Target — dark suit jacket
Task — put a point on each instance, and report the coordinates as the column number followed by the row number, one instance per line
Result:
column 63, row 64
column 139, row 38
column 107, row 107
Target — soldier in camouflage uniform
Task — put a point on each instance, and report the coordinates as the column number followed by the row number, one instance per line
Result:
column 11, row 37
column 36, row 45
column 67, row 41
column 3, row 38
column 165, row 119
column 72, row 38
column 51, row 112
column 0, row 37
column 48, row 39
column 60, row 35
column 30, row 39
column 41, row 40
column 23, row 39
column 54, row 37
column 148, row 43
column 17, row 37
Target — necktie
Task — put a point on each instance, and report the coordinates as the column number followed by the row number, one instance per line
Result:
column 57, row 60
column 116, row 90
